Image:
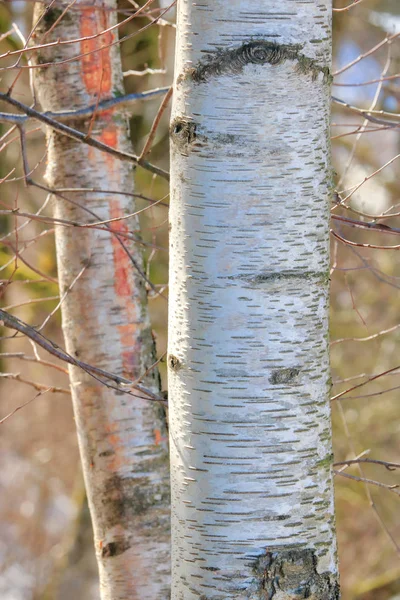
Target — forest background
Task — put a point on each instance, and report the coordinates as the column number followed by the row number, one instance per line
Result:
column 45, row 537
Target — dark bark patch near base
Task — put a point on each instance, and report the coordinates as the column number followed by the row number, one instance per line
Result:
column 51, row 15
column 292, row 575
column 284, row 376
column 174, row 363
column 257, row 52
column 114, row 548
column 123, row 499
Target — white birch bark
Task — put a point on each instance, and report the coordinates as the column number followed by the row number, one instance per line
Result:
column 250, row 436
column 105, row 321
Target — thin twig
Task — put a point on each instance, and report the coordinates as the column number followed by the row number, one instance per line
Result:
column 390, row 466
column 392, row 488
column 84, row 113
column 387, row 40
column 23, row 405
column 40, row 387
column 348, row 7
column 82, row 137
column 355, row 387
column 156, row 122
column 17, row 325
column 22, row 356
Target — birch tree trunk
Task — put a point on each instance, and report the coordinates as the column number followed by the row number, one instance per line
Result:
column 250, row 436
column 105, row 321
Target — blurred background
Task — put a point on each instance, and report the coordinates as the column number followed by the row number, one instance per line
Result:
column 45, row 536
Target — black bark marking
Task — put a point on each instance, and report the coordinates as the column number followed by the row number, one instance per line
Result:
column 288, row 274
column 122, row 499
column 174, row 363
column 257, row 52
column 293, row 575
column 51, row 15
column 114, row 548
column 285, row 376
column 185, row 135
column 106, row 453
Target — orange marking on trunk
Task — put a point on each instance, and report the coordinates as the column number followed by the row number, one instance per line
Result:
column 96, row 66
column 158, row 437
column 123, row 282
column 109, row 136
column 124, row 285
column 116, row 441
column 125, row 332
column 129, row 358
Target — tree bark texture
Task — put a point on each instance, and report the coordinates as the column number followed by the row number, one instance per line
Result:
column 122, row 439
column 250, row 433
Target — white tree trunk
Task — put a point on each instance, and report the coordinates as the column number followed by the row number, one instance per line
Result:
column 105, row 320
column 252, row 500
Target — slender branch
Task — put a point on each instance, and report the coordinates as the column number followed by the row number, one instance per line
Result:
column 386, row 40
column 348, row 7
column 23, row 405
column 97, row 225
column 83, row 113
column 388, row 465
column 40, row 387
column 153, row 130
column 367, row 338
column 365, row 225
column 391, row 488
column 82, row 137
column 118, row 234
column 367, row 114
column 373, row 378
column 16, row 324
column 360, row 245
column 22, row 356
column 57, row 43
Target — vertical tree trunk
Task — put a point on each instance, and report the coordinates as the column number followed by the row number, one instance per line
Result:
column 252, row 501
column 105, row 320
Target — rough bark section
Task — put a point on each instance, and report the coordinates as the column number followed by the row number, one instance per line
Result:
column 252, row 501
column 123, row 440
column 258, row 52
column 292, row 575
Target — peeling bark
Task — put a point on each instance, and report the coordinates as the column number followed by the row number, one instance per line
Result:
column 252, row 499
column 123, row 440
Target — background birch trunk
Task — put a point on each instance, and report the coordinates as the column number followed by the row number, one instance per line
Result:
column 252, row 500
column 105, row 321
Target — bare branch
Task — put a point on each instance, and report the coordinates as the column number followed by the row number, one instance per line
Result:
column 40, row 387
column 82, row 137
column 125, row 101
column 156, row 122
column 391, row 488
column 23, row 405
column 17, row 325
column 390, row 466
